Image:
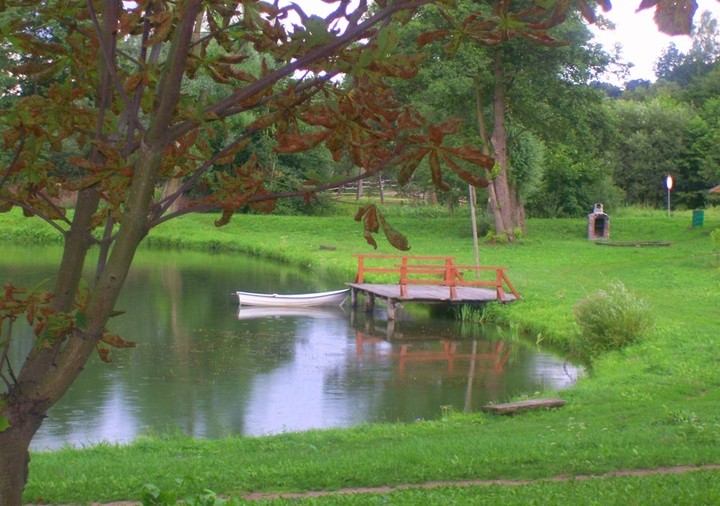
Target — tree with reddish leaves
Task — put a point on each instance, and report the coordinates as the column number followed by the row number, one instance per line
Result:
column 112, row 113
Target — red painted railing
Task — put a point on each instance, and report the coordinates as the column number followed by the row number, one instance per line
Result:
column 433, row 270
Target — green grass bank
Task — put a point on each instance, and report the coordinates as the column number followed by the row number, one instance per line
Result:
column 655, row 403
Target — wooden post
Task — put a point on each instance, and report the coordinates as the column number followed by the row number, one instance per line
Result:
column 391, row 309
column 390, row 329
column 403, row 276
column 500, row 293
column 361, row 268
column 369, row 302
column 473, row 221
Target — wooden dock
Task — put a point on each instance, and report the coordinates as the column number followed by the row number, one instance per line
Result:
column 437, row 280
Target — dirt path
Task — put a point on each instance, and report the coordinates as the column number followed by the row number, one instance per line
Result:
column 481, row 483
column 257, row 496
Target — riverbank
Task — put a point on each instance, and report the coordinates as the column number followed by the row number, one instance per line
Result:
column 654, row 404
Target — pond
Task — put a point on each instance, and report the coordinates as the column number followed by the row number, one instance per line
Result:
column 206, row 368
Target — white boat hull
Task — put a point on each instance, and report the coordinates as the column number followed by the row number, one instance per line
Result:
column 334, row 298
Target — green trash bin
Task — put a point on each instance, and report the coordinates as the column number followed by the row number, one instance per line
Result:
column 698, row 218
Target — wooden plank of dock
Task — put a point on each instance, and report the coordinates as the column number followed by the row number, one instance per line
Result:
column 430, row 293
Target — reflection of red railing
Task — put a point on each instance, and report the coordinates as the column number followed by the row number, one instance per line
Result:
column 492, row 361
column 434, row 270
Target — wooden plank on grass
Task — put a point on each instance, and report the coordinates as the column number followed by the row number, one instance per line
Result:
column 510, row 408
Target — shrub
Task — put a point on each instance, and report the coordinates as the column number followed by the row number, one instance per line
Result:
column 610, row 319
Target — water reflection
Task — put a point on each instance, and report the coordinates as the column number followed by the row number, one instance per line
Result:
column 207, row 369
column 251, row 312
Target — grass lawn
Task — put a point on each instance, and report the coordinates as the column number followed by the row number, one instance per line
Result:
column 653, row 404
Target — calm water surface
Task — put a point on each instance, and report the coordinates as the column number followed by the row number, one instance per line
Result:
column 208, row 369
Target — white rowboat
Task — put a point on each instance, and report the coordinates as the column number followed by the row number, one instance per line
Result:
column 334, row 298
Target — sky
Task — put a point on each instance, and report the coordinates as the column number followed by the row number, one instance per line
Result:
column 641, row 40
column 636, row 31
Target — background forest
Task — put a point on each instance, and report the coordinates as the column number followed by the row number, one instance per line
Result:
column 573, row 138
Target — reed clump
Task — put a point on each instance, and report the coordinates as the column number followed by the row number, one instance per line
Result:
column 610, row 319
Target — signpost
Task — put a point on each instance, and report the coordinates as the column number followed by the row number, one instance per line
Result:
column 668, row 185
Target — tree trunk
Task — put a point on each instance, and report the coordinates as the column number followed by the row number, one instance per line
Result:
column 14, row 460
column 504, row 202
column 49, row 371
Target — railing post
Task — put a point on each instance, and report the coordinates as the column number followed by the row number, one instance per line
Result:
column 510, row 285
column 499, row 292
column 361, row 268
column 403, row 276
column 451, row 274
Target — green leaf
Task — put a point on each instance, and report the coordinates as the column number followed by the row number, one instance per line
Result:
column 387, row 40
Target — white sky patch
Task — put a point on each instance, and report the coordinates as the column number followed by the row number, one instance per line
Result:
column 640, row 38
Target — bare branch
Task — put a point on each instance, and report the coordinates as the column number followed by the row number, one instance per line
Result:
column 106, row 35
column 39, row 214
column 105, row 245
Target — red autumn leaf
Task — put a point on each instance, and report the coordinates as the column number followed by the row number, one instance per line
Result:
column 410, row 164
column 428, row 37
column 104, row 354
column 116, row 341
column 473, row 156
column 295, row 143
column 438, row 132
column 395, row 238
column 467, row 176
column 674, row 17
column 436, row 172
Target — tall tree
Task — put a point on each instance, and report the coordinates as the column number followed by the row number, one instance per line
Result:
column 531, row 80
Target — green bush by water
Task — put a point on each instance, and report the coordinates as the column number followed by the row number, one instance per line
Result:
column 610, row 319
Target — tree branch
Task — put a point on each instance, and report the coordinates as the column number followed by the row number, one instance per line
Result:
column 39, row 214
column 106, row 35
column 105, row 246
column 274, row 196
column 6, row 176
column 168, row 201
column 352, row 34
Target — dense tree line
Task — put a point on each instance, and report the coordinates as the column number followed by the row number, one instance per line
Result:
column 572, row 139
